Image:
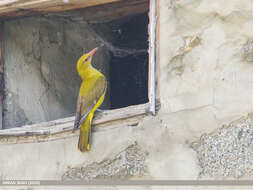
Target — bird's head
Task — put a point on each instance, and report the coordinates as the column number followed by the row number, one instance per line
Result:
column 85, row 61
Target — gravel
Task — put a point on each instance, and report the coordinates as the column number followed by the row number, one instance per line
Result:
column 128, row 163
column 228, row 151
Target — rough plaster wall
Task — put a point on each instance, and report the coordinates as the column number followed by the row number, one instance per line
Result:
column 208, row 57
column 40, row 65
column 208, row 71
column 206, row 81
column 147, row 159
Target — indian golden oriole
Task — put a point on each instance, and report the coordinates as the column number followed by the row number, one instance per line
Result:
column 91, row 96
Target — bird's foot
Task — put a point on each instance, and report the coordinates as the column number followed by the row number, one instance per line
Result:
column 99, row 110
column 100, row 113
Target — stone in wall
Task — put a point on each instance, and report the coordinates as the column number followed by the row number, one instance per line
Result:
column 128, row 163
column 228, row 151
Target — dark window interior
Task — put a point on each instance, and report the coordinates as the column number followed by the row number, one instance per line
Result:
column 129, row 73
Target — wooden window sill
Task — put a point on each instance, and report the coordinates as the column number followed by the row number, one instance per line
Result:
column 62, row 128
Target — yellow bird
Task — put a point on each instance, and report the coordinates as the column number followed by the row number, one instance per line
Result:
column 91, row 96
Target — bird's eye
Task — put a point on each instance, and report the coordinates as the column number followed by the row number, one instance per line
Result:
column 87, row 59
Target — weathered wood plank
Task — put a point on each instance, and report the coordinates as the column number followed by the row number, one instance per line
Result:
column 37, row 138
column 1, row 75
column 13, row 8
column 66, row 124
column 157, row 65
column 95, row 12
column 152, row 55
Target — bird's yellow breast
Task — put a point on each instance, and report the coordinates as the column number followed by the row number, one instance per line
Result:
column 91, row 75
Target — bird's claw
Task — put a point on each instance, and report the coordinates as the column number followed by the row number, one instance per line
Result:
column 99, row 113
column 99, row 110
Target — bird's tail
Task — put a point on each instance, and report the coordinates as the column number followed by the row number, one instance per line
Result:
column 84, row 137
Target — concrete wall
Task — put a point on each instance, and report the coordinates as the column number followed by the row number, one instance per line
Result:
column 206, row 82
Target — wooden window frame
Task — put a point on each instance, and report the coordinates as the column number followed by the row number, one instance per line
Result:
column 62, row 128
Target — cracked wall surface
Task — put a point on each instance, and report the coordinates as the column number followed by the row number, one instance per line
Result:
column 41, row 82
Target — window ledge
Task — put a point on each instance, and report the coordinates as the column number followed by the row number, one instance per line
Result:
column 62, row 128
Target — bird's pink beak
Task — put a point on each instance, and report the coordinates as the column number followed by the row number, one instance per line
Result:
column 92, row 52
